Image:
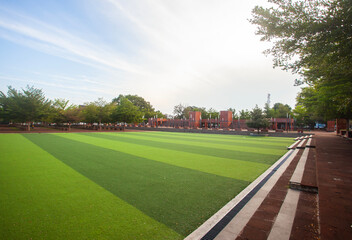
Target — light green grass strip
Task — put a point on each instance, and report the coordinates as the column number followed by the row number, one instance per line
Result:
column 42, row 198
column 242, row 170
column 249, row 147
column 206, row 149
column 220, row 138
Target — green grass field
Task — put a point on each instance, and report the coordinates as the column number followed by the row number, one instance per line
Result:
column 132, row 185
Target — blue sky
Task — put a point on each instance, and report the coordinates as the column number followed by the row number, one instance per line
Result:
column 201, row 52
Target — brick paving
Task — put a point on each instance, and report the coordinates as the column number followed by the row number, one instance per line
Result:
column 262, row 221
column 334, row 175
column 324, row 215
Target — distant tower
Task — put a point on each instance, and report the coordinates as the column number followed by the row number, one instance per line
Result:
column 268, row 100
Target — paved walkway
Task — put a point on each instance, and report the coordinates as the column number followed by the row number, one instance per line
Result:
column 334, row 172
column 277, row 212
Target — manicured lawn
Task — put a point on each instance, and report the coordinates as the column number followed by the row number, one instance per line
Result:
column 133, row 185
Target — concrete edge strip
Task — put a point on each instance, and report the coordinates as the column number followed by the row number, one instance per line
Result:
column 309, row 144
column 237, row 224
column 300, row 145
column 219, row 220
column 294, row 145
column 297, row 175
column 284, row 221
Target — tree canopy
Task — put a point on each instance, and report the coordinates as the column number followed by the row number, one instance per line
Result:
column 279, row 110
column 28, row 105
column 144, row 106
column 98, row 111
column 126, row 111
column 258, row 119
column 313, row 39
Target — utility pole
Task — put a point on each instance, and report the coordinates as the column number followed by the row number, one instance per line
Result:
column 268, row 100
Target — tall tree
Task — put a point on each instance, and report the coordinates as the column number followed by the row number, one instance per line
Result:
column 98, row 111
column 126, row 111
column 179, row 111
column 144, row 106
column 213, row 114
column 28, row 105
column 258, row 119
column 280, row 110
column 73, row 114
column 313, row 39
column 303, row 117
column 245, row 114
column 57, row 111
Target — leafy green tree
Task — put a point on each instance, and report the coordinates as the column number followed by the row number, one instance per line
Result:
column 28, row 105
column 56, row 112
column 302, row 117
column 313, row 39
column 213, row 114
column 72, row 114
column 280, row 110
column 258, row 119
column 179, row 111
column 160, row 114
column 144, row 106
column 4, row 108
column 268, row 111
column 126, row 111
column 97, row 112
column 245, row 114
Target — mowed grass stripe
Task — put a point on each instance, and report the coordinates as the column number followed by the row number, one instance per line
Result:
column 237, row 169
column 221, row 138
column 263, row 154
column 234, row 140
column 42, row 198
column 180, row 198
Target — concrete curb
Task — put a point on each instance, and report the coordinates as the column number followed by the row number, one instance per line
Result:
column 264, row 183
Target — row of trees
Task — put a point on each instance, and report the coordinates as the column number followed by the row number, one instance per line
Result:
column 31, row 105
column 279, row 110
column 314, row 40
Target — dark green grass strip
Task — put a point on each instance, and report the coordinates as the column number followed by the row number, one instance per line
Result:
column 237, row 169
column 209, row 151
column 180, row 198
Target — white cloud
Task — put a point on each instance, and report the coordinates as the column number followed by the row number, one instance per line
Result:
column 200, row 52
column 62, row 43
